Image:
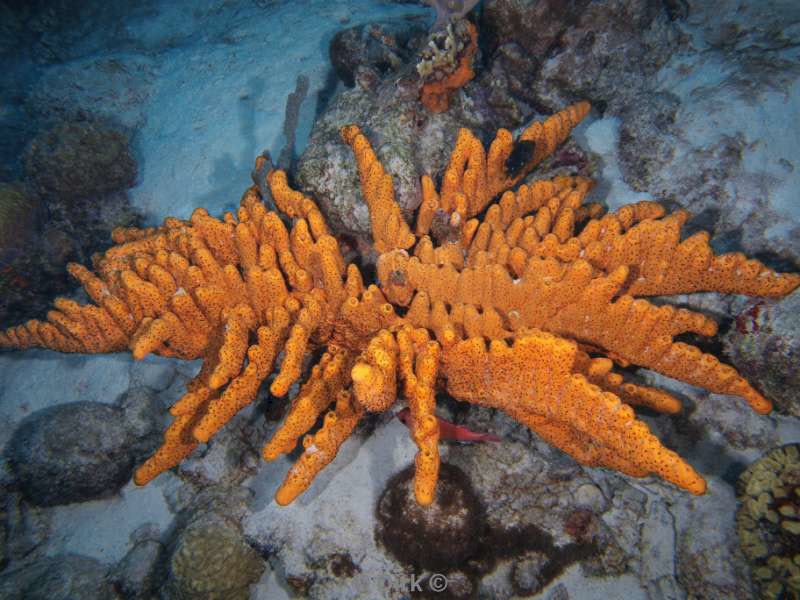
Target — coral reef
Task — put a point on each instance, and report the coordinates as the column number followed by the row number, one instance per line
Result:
column 554, row 289
column 768, row 521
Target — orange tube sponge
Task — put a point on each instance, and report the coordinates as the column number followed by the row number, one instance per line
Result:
column 321, row 448
column 519, row 300
column 535, row 381
column 389, row 229
column 374, row 374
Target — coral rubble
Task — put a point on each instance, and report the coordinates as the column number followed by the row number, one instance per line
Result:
column 520, row 300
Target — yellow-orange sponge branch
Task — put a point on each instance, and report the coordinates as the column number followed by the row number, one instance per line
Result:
column 535, row 381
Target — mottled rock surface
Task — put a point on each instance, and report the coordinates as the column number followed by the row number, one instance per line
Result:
column 65, row 577
column 764, row 344
column 83, row 450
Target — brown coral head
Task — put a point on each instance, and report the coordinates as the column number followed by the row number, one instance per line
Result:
column 439, row 536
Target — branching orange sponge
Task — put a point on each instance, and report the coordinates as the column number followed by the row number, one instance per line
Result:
column 526, row 309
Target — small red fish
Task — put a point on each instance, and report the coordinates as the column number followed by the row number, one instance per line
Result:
column 450, row 431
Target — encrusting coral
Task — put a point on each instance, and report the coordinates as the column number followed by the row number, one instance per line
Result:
column 445, row 64
column 514, row 310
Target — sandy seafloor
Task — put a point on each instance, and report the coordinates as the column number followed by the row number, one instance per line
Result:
column 215, row 102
